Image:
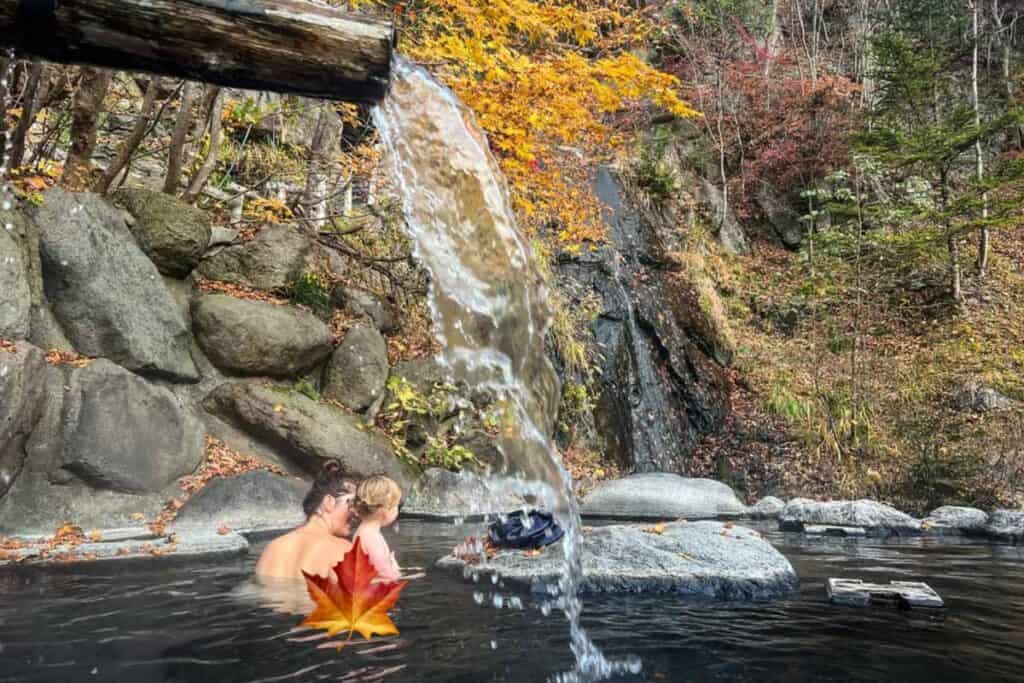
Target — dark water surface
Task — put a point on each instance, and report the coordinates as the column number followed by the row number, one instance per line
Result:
column 205, row 623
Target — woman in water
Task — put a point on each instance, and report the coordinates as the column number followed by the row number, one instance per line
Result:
column 319, row 544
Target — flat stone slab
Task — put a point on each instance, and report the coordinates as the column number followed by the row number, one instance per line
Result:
column 905, row 594
column 125, row 545
column 875, row 518
column 838, row 531
column 661, row 496
column 704, row 559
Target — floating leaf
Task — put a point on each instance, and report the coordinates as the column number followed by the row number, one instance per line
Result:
column 658, row 529
column 355, row 602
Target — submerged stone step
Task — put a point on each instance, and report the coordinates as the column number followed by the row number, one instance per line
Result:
column 706, row 559
column 905, row 594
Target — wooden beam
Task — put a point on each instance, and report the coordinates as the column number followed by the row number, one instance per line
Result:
column 290, row 46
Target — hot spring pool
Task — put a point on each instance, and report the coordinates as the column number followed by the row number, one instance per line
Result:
column 196, row 623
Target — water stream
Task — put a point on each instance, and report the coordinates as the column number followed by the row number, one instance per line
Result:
column 486, row 300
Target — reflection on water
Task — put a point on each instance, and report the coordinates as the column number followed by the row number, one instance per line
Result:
column 211, row 624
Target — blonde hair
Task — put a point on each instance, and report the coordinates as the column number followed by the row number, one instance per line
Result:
column 376, row 493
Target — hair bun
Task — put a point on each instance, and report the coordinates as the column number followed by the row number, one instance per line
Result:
column 330, row 467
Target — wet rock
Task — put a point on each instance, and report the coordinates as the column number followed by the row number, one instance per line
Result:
column 22, row 404
column 977, row 398
column 303, row 430
column 107, row 295
column 440, row 494
column 660, row 496
column 952, row 520
column 358, row 369
column 835, row 531
column 253, row 501
column 172, row 233
column 273, row 260
column 767, row 507
column 258, row 338
column 124, row 434
column 1006, row 525
column 362, row 302
column 876, row 518
column 16, row 301
column 706, row 559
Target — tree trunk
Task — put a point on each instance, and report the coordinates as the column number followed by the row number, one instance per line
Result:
column 210, row 162
column 178, row 137
column 282, row 45
column 129, row 146
column 92, row 89
column 983, row 234
column 29, row 105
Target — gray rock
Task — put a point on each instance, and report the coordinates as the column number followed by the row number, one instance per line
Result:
column 273, row 260
column 730, row 232
column 258, row 338
column 440, row 494
column 1006, row 525
column 107, row 295
column 358, row 369
column 767, row 507
column 22, row 405
column 977, row 398
column 253, row 501
column 303, row 430
column 220, row 235
column 661, row 496
column 783, row 218
column 953, row 520
column 362, row 302
column 706, row 559
column 876, row 519
column 124, row 434
column 838, row 531
column 172, row 233
column 16, row 301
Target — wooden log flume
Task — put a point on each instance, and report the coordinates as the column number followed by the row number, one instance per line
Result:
column 289, row 46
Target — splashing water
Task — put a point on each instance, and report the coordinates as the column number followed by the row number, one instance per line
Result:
column 6, row 193
column 487, row 304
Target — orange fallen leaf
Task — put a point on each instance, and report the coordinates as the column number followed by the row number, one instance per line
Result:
column 355, row 602
column 138, row 516
column 95, row 536
column 658, row 529
column 728, row 525
column 224, row 529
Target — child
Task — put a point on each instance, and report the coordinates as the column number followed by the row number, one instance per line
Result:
column 376, row 502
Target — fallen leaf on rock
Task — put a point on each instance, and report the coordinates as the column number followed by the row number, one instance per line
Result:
column 728, row 525
column 658, row 529
column 353, row 603
column 138, row 516
column 534, row 553
column 8, row 346
column 686, row 557
column 278, row 408
column 224, row 529
column 95, row 536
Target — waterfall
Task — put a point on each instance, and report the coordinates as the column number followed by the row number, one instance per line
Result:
column 486, row 300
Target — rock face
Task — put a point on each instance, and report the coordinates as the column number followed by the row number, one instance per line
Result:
column 783, row 219
column 730, row 232
column 21, row 406
column 253, row 501
column 358, row 369
column 124, row 434
column 767, row 507
column 258, row 338
column 951, row 519
column 304, row 430
column 440, row 494
column 660, row 387
column 16, row 301
column 704, row 559
column 977, row 398
column 172, row 233
column 362, row 302
column 107, row 295
column 1006, row 525
column 659, row 496
column 271, row 261
column 876, row 519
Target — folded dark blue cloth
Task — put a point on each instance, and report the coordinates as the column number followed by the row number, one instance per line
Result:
column 528, row 531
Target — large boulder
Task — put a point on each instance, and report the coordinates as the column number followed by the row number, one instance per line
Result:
column 106, row 293
column 16, row 302
column 22, row 394
column 368, row 304
column 124, row 434
column 173, row 234
column 730, row 232
column 258, row 338
column 440, row 494
column 977, row 398
column 253, row 501
column 358, row 370
column 707, row 559
column 273, row 260
column 875, row 518
column 659, row 496
column 1006, row 525
column 954, row 520
column 303, row 430
column 781, row 216
column 767, row 507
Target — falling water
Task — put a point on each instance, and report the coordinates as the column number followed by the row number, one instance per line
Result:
column 486, row 301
